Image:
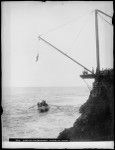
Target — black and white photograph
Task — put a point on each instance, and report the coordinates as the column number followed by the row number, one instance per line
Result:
column 57, row 74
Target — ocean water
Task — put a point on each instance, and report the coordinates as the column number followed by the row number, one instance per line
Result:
column 21, row 118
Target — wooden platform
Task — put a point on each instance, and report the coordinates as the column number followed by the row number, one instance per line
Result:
column 87, row 76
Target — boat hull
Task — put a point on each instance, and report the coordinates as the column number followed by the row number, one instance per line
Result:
column 43, row 108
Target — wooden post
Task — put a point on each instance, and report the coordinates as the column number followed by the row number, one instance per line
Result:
column 97, row 41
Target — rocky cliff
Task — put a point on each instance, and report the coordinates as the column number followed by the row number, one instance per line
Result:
column 97, row 118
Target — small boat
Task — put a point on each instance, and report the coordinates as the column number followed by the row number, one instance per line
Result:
column 43, row 106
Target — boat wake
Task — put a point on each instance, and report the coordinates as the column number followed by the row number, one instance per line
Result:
column 54, row 109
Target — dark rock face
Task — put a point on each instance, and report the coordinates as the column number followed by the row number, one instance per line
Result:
column 97, row 115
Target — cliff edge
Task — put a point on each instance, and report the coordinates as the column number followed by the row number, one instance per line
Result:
column 97, row 115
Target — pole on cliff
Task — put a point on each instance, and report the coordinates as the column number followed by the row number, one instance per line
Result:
column 97, row 41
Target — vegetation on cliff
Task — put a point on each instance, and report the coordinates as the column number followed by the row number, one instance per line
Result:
column 97, row 114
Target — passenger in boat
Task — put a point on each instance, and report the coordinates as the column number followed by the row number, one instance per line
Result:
column 44, row 103
column 38, row 104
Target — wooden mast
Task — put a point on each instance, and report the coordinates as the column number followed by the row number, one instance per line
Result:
column 97, row 41
column 97, row 37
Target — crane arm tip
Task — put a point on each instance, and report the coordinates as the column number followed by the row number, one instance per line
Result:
column 39, row 36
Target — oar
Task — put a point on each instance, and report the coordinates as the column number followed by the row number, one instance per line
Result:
column 32, row 106
column 56, row 106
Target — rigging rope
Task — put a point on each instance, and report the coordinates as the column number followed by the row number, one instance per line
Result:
column 82, row 28
column 69, row 22
column 105, row 20
column 87, row 85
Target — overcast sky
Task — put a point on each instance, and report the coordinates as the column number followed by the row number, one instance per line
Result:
column 22, row 22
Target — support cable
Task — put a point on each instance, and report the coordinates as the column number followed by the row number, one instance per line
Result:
column 79, row 33
column 104, row 13
column 105, row 20
column 65, row 24
column 87, row 85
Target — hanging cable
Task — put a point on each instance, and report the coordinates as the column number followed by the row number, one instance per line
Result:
column 81, row 30
column 65, row 24
column 105, row 20
column 87, row 85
